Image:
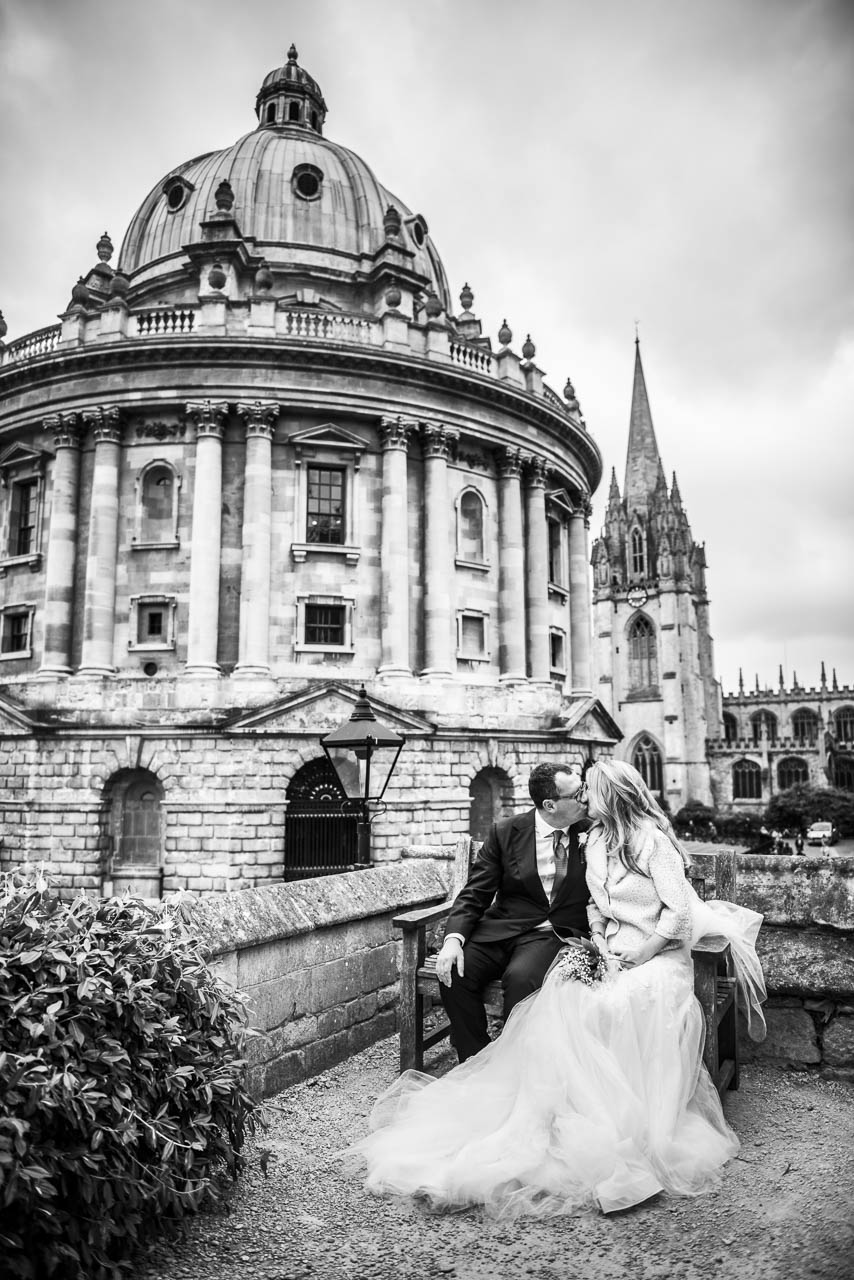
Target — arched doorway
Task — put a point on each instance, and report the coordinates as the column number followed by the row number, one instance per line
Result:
column 133, row 814
column 320, row 837
column 491, row 793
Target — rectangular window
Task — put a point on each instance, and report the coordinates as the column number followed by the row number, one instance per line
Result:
column 557, row 652
column 557, row 553
column 325, row 505
column 472, row 636
column 324, row 624
column 152, row 622
column 16, row 632
column 22, row 518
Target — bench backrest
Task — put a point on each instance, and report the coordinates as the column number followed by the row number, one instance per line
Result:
column 712, row 872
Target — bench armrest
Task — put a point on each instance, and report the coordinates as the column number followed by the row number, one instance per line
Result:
column 421, row 916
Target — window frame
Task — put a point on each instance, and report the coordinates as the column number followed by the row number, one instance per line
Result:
column 557, row 672
column 331, row 447
column 482, row 616
column 746, row 768
column 21, row 467
column 138, row 542
column 462, row 561
column 16, row 610
column 636, row 686
column 169, row 604
column 317, row 598
column 558, row 512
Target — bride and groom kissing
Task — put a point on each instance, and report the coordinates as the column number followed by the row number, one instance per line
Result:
column 594, row 1094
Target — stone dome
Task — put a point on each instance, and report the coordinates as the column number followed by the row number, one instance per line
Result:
column 301, row 201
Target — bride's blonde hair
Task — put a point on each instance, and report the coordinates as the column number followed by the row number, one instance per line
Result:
column 626, row 805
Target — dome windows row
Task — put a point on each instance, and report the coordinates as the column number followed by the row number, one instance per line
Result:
column 291, row 111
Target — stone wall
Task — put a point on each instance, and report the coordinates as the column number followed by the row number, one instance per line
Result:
column 317, row 960
column 806, row 946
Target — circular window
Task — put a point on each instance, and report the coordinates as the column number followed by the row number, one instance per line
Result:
column 150, row 668
column 307, row 181
column 418, row 233
column 176, row 195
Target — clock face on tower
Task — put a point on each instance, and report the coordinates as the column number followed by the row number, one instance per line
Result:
column 637, row 597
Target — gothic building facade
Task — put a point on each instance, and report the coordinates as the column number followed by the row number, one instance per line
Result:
column 653, row 653
column 264, row 459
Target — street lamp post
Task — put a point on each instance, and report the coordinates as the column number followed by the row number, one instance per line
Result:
column 363, row 754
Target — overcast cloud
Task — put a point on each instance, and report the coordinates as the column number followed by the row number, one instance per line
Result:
column 683, row 163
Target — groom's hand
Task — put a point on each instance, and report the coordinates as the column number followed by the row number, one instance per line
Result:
column 450, row 955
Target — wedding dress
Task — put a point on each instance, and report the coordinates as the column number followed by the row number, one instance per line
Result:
column 593, row 1095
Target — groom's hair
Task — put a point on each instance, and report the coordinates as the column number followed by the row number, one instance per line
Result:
column 541, row 784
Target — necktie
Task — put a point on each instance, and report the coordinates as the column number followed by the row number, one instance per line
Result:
column 560, row 850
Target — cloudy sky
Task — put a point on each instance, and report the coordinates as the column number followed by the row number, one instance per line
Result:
column 685, row 164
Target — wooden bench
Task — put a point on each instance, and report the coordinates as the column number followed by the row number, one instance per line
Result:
column 713, row 874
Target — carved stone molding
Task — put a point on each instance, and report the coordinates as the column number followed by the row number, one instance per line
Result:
column 160, row 430
column 535, row 471
column 510, row 462
column 66, row 430
column 259, row 416
column 104, row 423
column 208, row 416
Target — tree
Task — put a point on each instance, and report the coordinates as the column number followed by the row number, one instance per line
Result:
column 802, row 805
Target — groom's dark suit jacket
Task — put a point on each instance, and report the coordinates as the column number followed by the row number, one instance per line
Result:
column 506, row 871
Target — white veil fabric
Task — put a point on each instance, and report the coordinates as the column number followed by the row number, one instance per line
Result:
column 740, row 927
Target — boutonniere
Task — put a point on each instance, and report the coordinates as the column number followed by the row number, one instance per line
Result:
column 582, row 838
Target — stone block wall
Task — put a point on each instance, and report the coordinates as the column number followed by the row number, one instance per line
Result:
column 806, row 946
column 317, row 960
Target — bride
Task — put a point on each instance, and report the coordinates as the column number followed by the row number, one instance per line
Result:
column 595, row 1093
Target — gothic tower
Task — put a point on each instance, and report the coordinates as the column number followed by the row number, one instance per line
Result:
column 652, row 647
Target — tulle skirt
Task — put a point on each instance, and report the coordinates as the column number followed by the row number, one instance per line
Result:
column 592, row 1096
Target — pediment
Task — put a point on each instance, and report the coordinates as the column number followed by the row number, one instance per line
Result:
column 561, row 499
column 327, row 436
column 20, row 455
column 321, row 708
column 589, row 721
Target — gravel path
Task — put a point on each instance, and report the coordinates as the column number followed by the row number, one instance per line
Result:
column 784, row 1211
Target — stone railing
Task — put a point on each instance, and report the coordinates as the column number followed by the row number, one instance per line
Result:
column 326, row 326
column 160, row 321
column 40, row 343
column 476, row 358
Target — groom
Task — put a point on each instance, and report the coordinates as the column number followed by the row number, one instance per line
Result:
column 532, row 867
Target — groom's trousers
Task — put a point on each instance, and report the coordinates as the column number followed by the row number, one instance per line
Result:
column 520, row 962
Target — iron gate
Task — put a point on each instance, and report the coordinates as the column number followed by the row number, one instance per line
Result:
column 320, row 838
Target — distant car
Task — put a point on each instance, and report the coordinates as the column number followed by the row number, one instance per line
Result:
column 822, row 833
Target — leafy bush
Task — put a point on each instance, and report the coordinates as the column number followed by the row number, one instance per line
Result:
column 696, row 819
column 121, row 1079
column 802, row 805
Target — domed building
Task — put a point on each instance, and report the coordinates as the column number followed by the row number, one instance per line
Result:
column 261, row 461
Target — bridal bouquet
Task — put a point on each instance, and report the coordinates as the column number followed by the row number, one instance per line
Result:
column 580, row 965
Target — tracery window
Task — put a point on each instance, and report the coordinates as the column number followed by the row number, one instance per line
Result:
column 805, row 727
column 646, row 758
column 763, row 720
column 643, row 659
column 844, row 724
column 746, row 780
column 843, row 773
column 792, row 772
column 638, row 554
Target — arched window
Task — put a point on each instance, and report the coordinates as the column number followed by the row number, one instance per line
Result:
column 843, row 773
column 638, row 554
column 320, row 838
column 844, row 724
column 746, row 780
column 791, row 772
column 805, row 727
column 470, row 527
column 271, row 113
column 491, row 793
column 643, row 662
column 646, row 758
column 293, row 111
column 730, row 727
column 763, row 720
column 158, row 487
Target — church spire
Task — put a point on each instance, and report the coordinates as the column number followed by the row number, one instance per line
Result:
column 642, row 459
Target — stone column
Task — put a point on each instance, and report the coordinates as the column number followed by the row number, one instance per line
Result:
column 99, row 601
column 61, row 546
column 254, row 647
column 394, row 550
column 579, row 601
column 203, row 626
column 511, row 568
column 438, row 568
column 537, row 571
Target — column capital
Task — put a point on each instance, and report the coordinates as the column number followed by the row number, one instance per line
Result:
column 509, row 463
column 104, row 423
column 395, row 433
column 535, row 469
column 66, row 429
column 208, row 415
column 259, row 416
column 583, row 510
column 436, row 439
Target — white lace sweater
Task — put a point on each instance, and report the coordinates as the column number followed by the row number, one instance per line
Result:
column 638, row 905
